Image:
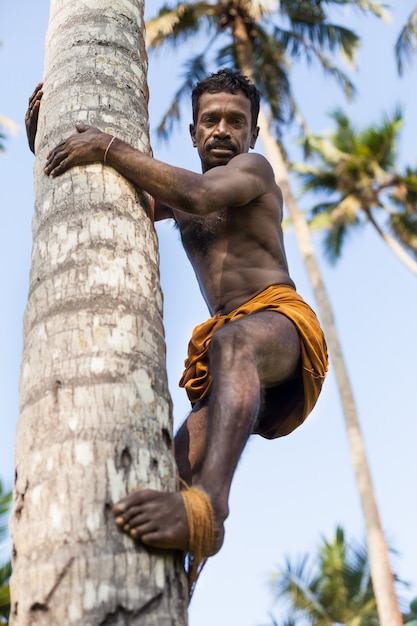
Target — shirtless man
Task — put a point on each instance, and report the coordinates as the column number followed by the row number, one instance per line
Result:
column 250, row 368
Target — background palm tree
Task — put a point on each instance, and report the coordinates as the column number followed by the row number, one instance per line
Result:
column 277, row 34
column 406, row 46
column 262, row 50
column 5, row 567
column 95, row 413
column 357, row 172
column 332, row 586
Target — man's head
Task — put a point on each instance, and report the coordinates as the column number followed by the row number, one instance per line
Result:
column 229, row 81
column 225, row 112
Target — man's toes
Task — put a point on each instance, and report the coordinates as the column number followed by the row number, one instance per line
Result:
column 128, row 515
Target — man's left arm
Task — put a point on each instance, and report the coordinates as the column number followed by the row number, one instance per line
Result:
column 243, row 178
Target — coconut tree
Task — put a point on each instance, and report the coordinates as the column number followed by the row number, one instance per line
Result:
column 262, row 48
column 332, row 586
column 356, row 171
column 406, row 45
column 5, row 567
column 95, row 418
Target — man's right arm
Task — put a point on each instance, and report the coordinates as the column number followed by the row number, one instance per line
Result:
column 161, row 211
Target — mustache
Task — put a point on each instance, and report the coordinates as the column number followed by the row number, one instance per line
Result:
column 221, row 143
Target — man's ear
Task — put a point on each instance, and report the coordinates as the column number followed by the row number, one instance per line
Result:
column 193, row 137
column 254, row 137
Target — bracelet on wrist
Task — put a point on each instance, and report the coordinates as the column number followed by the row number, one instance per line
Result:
column 108, row 148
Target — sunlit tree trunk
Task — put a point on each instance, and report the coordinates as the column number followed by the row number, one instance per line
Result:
column 381, row 574
column 382, row 578
column 95, row 418
column 403, row 256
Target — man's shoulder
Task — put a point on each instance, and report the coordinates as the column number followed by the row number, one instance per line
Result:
column 253, row 162
column 252, row 157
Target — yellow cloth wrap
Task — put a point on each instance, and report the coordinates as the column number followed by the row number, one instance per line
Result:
column 200, row 518
column 296, row 403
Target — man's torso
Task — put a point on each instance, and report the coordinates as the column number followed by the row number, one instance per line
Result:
column 236, row 252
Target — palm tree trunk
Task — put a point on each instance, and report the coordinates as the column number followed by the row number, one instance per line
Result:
column 95, row 419
column 393, row 245
column 382, row 578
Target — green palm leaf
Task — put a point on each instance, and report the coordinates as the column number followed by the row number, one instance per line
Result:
column 278, row 32
column 331, row 587
column 356, row 170
column 5, row 500
column 406, row 45
column 5, row 569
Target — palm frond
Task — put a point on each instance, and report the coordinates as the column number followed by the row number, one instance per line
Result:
column 406, row 45
column 297, row 47
column 317, row 180
column 194, row 70
column 334, row 240
column 297, row 581
column 403, row 226
column 5, row 500
column 5, row 569
column 308, row 23
column 270, row 72
column 404, row 193
column 176, row 25
column 379, row 9
column 307, row 33
column 381, row 140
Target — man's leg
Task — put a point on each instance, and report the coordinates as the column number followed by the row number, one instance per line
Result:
column 259, row 350
column 191, row 443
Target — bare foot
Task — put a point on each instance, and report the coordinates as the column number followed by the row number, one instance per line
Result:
column 158, row 520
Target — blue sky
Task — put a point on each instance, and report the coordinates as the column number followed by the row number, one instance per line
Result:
column 290, row 492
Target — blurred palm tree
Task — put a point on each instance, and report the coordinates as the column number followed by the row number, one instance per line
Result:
column 332, row 587
column 406, row 45
column 5, row 568
column 267, row 35
column 357, row 172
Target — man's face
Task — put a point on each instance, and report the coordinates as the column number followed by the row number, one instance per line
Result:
column 223, row 128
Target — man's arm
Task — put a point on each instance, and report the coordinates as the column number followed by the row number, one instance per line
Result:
column 235, row 184
column 161, row 212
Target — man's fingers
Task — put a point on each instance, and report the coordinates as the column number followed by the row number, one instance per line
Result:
column 37, row 94
column 56, row 152
column 81, row 127
column 57, row 161
column 56, row 168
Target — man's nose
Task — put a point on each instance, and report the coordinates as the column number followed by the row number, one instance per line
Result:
column 222, row 129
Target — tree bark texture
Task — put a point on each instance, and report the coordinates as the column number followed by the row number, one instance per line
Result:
column 95, row 417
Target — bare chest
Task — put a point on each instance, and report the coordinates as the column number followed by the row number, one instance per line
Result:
column 200, row 234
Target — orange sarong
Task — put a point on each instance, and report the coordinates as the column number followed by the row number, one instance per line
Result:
column 287, row 405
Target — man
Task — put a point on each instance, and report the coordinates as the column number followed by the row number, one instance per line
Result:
column 258, row 364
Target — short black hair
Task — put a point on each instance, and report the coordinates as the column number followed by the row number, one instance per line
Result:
column 230, row 81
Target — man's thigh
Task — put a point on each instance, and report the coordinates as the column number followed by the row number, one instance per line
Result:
column 273, row 342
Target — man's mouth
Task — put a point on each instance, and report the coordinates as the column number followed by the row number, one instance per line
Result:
column 219, row 146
